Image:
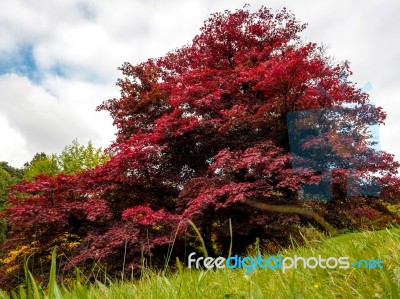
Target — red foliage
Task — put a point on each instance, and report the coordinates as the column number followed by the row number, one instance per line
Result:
column 200, row 130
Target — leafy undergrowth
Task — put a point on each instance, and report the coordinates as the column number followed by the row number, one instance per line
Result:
column 262, row 283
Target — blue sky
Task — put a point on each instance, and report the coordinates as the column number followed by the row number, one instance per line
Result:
column 59, row 59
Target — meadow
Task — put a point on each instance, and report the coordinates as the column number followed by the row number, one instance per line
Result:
column 353, row 282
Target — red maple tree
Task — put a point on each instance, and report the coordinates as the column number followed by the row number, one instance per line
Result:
column 202, row 135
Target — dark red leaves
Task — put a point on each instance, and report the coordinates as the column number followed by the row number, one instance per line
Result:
column 144, row 215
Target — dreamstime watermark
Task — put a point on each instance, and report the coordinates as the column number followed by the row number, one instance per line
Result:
column 280, row 262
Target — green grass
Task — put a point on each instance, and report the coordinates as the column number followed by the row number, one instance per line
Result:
column 262, row 283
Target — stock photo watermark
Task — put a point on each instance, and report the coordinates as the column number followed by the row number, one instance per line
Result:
column 280, row 262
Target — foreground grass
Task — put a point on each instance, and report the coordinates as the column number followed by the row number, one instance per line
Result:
column 263, row 283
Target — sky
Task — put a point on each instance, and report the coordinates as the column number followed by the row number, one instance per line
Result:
column 59, row 59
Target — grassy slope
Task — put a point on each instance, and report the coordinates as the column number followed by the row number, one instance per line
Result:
column 267, row 283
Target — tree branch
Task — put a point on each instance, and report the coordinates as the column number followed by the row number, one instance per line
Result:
column 293, row 209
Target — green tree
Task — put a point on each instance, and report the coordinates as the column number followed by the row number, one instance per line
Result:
column 76, row 157
column 73, row 158
column 6, row 180
column 16, row 173
column 41, row 164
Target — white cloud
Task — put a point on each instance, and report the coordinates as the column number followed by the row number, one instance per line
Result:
column 20, row 22
column 82, row 48
column 82, row 98
column 47, row 120
column 13, row 144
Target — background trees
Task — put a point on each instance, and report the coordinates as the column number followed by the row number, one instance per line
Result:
column 73, row 158
column 76, row 157
column 8, row 176
column 202, row 136
column 41, row 164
